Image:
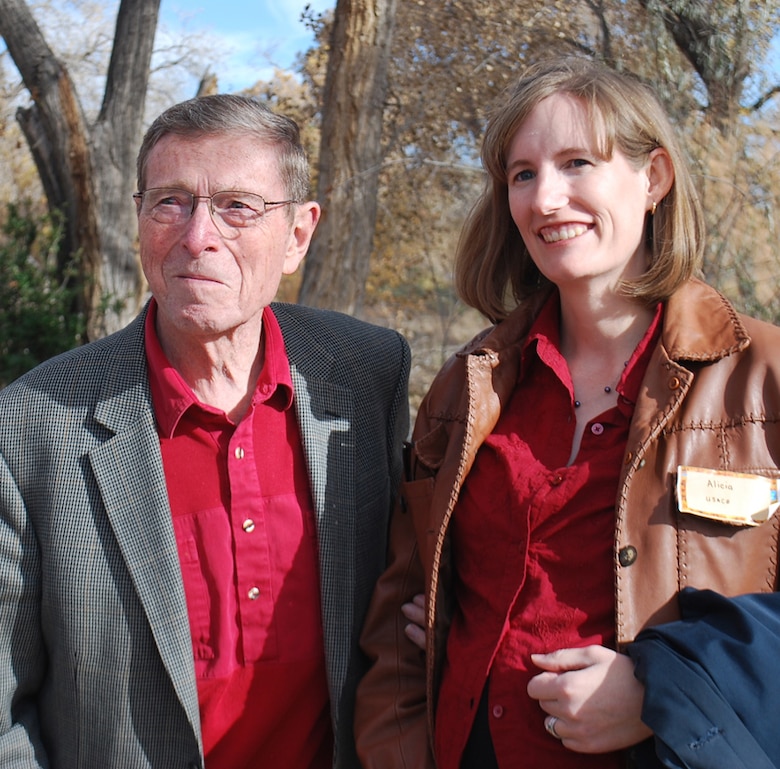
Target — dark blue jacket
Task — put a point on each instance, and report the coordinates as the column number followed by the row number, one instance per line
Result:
column 711, row 683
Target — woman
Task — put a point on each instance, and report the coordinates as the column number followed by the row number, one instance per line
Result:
column 542, row 518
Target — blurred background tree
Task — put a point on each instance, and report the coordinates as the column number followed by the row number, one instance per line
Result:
column 86, row 166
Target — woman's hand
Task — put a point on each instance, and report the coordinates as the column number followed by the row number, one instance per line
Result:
column 594, row 697
column 415, row 613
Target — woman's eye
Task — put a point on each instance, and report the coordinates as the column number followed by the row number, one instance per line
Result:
column 524, row 176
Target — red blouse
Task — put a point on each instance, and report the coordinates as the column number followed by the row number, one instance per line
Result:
column 533, row 553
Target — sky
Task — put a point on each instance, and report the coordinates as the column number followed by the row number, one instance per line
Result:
column 250, row 38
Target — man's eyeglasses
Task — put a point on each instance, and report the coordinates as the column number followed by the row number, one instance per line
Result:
column 170, row 205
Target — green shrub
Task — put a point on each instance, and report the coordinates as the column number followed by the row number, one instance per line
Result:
column 37, row 299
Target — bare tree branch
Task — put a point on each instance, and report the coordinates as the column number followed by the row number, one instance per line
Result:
column 88, row 171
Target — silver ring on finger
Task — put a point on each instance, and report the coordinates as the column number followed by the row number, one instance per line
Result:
column 549, row 725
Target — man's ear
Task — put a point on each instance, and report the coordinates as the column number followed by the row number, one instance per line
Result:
column 307, row 215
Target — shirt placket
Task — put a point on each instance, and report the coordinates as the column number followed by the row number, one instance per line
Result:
column 254, row 585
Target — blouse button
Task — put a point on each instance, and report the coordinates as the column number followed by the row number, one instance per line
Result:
column 248, row 525
column 597, row 428
column 556, row 480
column 239, row 452
column 253, row 593
column 498, row 711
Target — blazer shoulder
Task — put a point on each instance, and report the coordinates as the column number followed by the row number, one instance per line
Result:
column 339, row 332
column 75, row 376
column 335, row 346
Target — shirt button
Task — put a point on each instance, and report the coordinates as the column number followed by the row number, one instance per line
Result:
column 556, row 480
column 239, row 452
column 248, row 525
column 253, row 593
column 498, row 711
column 597, row 428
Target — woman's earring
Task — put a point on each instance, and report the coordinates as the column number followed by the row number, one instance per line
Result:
column 653, row 209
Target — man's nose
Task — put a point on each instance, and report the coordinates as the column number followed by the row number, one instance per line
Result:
column 202, row 228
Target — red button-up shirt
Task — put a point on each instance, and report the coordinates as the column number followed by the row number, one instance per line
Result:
column 244, row 525
column 532, row 546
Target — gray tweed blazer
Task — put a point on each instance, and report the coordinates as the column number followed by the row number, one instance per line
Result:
column 95, row 654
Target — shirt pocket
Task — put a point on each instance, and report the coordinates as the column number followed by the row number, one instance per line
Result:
column 208, row 576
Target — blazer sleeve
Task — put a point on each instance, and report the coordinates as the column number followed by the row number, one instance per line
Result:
column 22, row 659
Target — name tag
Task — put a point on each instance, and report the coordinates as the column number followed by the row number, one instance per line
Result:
column 737, row 498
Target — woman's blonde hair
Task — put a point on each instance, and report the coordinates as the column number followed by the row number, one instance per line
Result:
column 493, row 269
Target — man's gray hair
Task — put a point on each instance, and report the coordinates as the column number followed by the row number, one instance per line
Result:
column 231, row 114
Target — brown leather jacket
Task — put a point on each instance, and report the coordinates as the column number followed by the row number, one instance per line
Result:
column 710, row 398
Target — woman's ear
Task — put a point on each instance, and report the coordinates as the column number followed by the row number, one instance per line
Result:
column 660, row 177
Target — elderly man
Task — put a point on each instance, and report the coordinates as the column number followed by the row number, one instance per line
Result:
column 193, row 511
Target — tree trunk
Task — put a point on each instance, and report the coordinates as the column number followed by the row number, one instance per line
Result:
column 718, row 49
column 351, row 155
column 88, row 173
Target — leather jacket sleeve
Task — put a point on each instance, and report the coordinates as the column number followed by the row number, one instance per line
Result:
column 391, row 723
column 396, row 699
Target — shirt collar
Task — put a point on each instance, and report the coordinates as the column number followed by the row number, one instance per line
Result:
column 545, row 335
column 634, row 373
column 172, row 396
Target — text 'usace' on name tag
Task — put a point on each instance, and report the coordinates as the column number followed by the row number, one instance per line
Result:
column 739, row 498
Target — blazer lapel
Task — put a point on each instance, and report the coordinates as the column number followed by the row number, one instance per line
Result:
column 129, row 472
column 325, row 416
